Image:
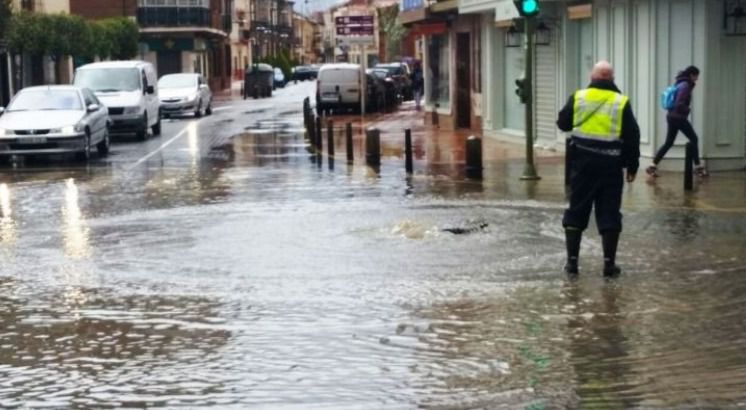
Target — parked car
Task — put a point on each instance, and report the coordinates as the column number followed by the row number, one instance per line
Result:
column 303, row 73
column 339, row 87
column 279, row 80
column 184, row 94
column 259, row 81
column 391, row 92
column 401, row 74
column 54, row 120
column 129, row 89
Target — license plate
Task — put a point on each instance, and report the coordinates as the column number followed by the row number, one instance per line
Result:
column 330, row 94
column 36, row 140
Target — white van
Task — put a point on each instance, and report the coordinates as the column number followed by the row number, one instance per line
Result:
column 130, row 91
column 339, row 86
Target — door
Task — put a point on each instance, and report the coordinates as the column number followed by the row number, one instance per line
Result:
column 463, row 81
column 169, row 62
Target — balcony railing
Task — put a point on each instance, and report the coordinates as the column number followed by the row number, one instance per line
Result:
column 173, row 17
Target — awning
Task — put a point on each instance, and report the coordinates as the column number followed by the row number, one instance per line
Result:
column 443, row 6
column 429, row 29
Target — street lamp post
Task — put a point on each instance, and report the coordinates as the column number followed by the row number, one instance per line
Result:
column 529, row 171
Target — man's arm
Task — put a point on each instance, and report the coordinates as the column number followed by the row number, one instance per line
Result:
column 566, row 115
column 630, row 140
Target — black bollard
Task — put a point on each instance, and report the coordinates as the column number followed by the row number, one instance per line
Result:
column 474, row 157
column 688, row 167
column 319, row 136
column 408, row 164
column 350, row 153
column 330, row 138
column 373, row 147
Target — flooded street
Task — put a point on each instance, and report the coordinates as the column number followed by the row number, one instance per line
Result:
column 221, row 266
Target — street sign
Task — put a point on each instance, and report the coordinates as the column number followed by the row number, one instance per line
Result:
column 364, row 20
column 355, row 30
column 356, row 40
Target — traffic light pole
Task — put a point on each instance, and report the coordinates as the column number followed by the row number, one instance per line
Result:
column 529, row 171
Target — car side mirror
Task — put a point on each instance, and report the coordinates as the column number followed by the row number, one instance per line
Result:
column 203, row 86
column 150, row 89
column 93, row 108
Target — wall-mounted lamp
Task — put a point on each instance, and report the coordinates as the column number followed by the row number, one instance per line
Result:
column 734, row 18
column 513, row 37
column 543, row 34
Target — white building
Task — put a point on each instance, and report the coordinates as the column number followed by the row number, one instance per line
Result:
column 648, row 41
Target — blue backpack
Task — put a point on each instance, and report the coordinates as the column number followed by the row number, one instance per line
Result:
column 668, row 98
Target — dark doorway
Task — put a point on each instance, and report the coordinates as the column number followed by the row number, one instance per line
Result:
column 169, row 62
column 4, row 80
column 463, row 80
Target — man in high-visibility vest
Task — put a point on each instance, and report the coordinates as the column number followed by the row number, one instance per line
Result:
column 605, row 139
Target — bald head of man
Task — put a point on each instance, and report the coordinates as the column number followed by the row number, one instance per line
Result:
column 603, row 70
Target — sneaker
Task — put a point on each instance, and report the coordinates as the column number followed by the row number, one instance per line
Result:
column 652, row 171
column 612, row 271
column 701, row 171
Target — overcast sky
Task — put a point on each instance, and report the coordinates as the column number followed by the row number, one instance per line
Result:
column 310, row 6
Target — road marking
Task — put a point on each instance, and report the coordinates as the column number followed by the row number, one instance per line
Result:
column 222, row 108
column 164, row 145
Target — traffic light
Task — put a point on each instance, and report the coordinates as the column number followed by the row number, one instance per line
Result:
column 521, row 91
column 527, row 8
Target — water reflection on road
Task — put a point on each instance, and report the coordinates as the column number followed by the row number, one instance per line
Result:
column 235, row 271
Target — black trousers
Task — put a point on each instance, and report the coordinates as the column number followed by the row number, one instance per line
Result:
column 674, row 126
column 596, row 181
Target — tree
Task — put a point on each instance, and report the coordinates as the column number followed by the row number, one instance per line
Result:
column 388, row 22
column 5, row 14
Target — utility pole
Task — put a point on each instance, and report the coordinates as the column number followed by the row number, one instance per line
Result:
column 529, row 9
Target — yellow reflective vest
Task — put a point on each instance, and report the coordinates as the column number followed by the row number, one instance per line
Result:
column 597, row 114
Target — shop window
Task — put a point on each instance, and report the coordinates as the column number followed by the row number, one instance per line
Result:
column 439, row 80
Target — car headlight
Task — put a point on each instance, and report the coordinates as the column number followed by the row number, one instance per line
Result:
column 2, row 132
column 70, row 129
column 132, row 110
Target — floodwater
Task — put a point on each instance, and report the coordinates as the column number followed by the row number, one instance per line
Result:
column 233, row 270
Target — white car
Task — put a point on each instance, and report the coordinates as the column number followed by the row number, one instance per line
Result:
column 54, row 120
column 129, row 89
column 339, row 86
column 184, row 94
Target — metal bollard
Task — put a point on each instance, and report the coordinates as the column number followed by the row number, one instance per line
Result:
column 330, row 138
column 350, row 153
column 373, row 147
column 319, row 136
column 688, row 167
column 408, row 163
column 474, row 157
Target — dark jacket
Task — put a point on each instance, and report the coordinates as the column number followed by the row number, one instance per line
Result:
column 630, row 140
column 682, row 106
column 418, row 80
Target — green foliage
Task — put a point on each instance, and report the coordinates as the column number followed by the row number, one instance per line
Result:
column 5, row 14
column 283, row 61
column 69, row 35
column 388, row 22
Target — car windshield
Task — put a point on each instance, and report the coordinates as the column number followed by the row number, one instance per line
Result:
column 108, row 79
column 46, row 100
column 178, row 81
column 278, row 71
column 381, row 73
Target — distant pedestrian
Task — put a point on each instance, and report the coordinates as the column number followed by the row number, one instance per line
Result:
column 605, row 139
column 418, row 84
column 677, row 118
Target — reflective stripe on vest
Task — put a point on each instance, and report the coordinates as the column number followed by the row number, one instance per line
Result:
column 598, row 114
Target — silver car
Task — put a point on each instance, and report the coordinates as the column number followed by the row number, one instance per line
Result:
column 184, row 94
column 54, row 120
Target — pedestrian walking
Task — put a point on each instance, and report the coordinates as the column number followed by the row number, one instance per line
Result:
column 677, row 118
column 605, row 139
column 418, row 84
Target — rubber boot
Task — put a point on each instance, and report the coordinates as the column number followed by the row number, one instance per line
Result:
column 610, row 241
column 573, row 238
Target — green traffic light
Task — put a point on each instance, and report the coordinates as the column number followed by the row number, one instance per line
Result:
column 530, row 6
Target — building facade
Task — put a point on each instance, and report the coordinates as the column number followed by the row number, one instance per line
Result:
column 271, row 27
column 648, row 42
column 308, row 47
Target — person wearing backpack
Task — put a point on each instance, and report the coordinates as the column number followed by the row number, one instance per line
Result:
column 677, row 100
column 605, row 140
column 418, row 84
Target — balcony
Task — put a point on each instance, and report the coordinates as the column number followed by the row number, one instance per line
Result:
column 154, row 16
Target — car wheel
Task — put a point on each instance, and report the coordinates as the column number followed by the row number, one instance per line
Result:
column 142, row 134
column 208, row 110
column 198, row 110
column 157, row 126
column 85, row 155
column 105, row 144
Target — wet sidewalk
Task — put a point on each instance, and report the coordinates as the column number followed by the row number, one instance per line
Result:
column 441, row 154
